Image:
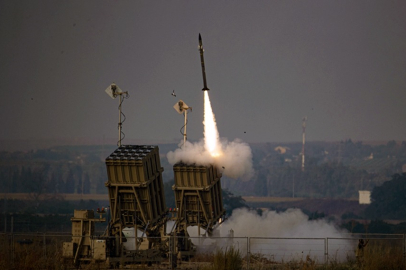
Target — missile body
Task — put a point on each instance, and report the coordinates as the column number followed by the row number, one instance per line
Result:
column 205, row 88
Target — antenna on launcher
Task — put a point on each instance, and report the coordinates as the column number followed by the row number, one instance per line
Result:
column 113, row 91
column 182, row 108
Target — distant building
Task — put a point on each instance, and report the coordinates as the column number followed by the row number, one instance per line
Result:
column 364, row 197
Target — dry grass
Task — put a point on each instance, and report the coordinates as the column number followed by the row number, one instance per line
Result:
column 382, row 256
column 227, row 259
column 203, row 257
column 378, row 255
column 32, row 257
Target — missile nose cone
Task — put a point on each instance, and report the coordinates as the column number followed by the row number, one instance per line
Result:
column 205, row 88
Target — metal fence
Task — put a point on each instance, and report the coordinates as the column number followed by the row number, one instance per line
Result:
column 44, row 250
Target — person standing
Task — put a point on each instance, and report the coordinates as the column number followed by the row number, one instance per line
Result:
column 359, row 253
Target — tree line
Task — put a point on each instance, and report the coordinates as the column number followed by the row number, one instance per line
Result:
column 332, row 169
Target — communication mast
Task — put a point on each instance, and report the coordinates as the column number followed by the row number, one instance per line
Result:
column 113, row 91
column 303, row 142
column 182, row 108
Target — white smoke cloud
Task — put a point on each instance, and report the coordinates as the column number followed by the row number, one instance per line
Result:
column 235, row 162
column 283, row 236
column 291, row 223
column 236, row 159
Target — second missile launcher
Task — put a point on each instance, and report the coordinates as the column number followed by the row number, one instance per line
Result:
column 198, row 196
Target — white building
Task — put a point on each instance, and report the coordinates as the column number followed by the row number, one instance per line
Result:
column 364, row 196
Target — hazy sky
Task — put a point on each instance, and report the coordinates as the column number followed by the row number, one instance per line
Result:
column 268, row 63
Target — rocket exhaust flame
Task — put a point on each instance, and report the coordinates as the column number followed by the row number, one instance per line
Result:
column 211, row 134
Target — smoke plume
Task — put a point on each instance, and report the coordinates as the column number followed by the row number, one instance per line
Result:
column 235, row 160
column 291, row 223
column 280, row 236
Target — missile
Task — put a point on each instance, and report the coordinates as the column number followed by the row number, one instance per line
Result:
column 202, row 61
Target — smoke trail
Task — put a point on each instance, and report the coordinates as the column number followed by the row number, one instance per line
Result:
column 211, row 134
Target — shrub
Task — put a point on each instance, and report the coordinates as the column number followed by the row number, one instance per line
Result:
column 229, row 259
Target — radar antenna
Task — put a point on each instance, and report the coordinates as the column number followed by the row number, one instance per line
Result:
column 113, row 91
column 182, row 108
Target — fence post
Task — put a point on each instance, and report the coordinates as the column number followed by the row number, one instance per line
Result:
column 171, row 252
column 248, row 252
column 45, row 247
column 12, row 241
column 326, row 250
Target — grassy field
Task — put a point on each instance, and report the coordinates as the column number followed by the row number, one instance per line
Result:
column 39, row 256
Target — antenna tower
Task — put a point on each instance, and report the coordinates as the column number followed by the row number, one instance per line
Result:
column 303, row 142
column 182, row 108
column 113, row 91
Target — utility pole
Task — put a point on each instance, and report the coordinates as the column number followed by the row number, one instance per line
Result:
column 303, row 142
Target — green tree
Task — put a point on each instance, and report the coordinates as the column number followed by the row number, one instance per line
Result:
column 70, row 183
column 261, row 184
column 231, row 202
column 86, row 184
column 389, row 199
column 38, row 182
